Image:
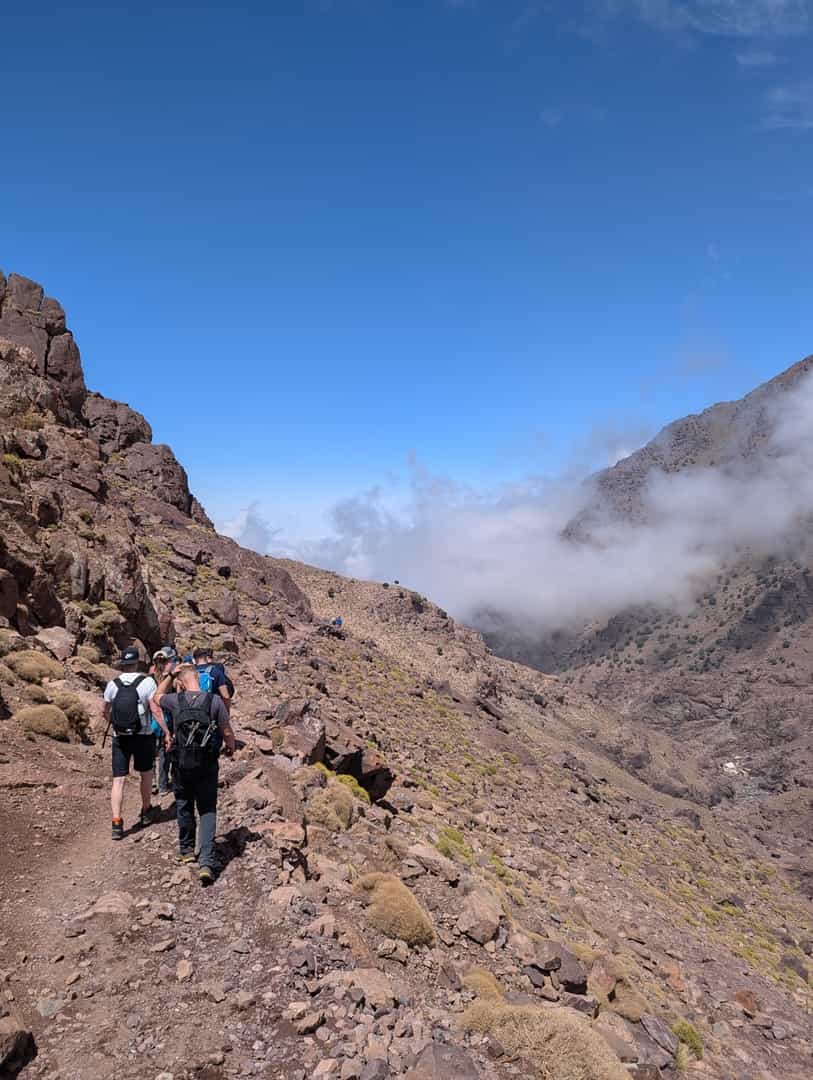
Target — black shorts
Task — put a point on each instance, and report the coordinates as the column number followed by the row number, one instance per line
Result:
column 141, row 748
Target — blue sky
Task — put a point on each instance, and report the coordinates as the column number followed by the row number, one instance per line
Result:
column 493, row 236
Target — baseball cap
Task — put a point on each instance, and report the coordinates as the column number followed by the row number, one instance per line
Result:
column 202, row 650
column 168, row 653
column 130, row 656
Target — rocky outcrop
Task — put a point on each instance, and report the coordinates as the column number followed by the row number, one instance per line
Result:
column 37, row 322
column 156, row 471
column 113, row 424
column 87, row 502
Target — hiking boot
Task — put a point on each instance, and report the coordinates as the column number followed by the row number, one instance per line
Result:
column 186, row 857
column 147, row 817
column 206, row 875
column 118, row 829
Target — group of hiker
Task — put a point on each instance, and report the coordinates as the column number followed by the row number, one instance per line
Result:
column 178, row 714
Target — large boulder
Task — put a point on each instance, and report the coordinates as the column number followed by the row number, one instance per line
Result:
column 302, row 738
column 9, row 595
column 114, row 424
column 347, row 752
column 58, row 641
column 63, row 364
column 226, row 609
column 441, row 1061
column 17, row 1047
column 480, row 917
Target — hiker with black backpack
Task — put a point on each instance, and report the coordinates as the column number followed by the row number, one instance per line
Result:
column 128, row 710
column 201, row 730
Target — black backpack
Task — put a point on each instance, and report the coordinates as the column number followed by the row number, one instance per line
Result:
column 125, row 715
column 197, row 742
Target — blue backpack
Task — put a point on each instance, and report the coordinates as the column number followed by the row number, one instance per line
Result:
column 206, row 678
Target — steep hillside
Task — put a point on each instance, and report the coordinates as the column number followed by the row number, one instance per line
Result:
column 433, row 862
column 729, row 671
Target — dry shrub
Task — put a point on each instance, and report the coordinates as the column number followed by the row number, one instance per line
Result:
column 394, row 910
column 9, row 640
column 89, row 652
column 628, row 1002
column 482, row 983
column 34, row 666
column 45, row 720
column 75, row 711
column 332, row 807
column 560, row 1043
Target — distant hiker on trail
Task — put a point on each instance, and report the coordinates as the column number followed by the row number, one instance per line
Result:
column 201, row 723
column 164, row 662
column 338, row 621
column 127, row 706
column 213, row 677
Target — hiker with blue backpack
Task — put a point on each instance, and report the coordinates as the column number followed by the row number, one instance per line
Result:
column 213, row 677
column 201, row 731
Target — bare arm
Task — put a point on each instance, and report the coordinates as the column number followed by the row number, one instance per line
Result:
column 155, row 702
column 228, row 738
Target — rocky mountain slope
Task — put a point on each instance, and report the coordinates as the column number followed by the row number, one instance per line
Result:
column 434, row 862
column 729, row 672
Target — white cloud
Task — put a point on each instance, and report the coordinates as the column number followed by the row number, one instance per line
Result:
column 727, row 18
column 551, row 118
column 789, row 106
column 250, row 529
column 507, row 552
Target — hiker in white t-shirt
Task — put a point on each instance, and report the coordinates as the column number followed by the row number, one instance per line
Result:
column 128, row 711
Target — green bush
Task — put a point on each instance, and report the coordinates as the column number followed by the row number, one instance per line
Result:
column 354, row 787
column 452, row 844
column 689, row 1036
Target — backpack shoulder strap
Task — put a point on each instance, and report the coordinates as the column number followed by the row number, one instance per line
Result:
column 138, row 679
column 117, row 682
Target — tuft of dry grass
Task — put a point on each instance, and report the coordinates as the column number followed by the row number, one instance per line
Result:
column 628, row 1002
column 332, row 807
column 34, row 666
column 561, row 1044
column 45, row 720
column 75, row 711
column 482, row 983
column 394, row 910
